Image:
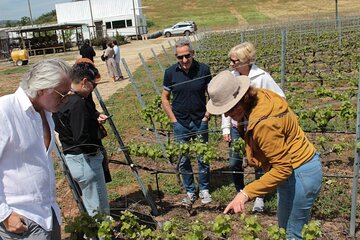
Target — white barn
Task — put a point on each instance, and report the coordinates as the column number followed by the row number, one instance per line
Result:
column 109, row 16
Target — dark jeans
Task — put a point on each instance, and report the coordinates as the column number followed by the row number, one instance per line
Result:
column 184, row 134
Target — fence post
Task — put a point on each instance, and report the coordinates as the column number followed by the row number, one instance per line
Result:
column 149, row 74
column 157, row 60
column 242, row 37
column 282, row 59
column 356, row 167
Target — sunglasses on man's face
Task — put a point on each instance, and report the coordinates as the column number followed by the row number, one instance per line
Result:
column 187, row 56
column 64, row 97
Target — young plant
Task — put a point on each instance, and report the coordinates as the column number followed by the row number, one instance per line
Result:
column 311, row 231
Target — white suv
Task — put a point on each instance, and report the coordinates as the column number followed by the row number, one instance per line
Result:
column 180, row 28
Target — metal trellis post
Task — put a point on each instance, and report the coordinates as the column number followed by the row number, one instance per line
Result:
column 356, row 167
column 129, row 161
column 166, row 54
column 339, row 30
column 282, row 59
column 158, row 61
column 157, row 135
column 149, row 74
column 172, row 47
column 73, row 185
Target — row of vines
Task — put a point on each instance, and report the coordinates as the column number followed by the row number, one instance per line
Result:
column 321, row 85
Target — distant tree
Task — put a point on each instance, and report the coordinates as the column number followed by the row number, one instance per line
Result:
column 25, row 21
column 8, row 23
column 49, row 17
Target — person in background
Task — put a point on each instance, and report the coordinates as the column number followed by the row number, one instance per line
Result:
column 109, row 54
column 242, row 61
column 87, row 51
column 28, row 208
column 117, row 60
column 275, row 142
column 79, row 133
column 187, row 81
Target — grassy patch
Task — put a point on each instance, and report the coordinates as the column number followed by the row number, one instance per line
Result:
column 120, row 178
column 15, row 70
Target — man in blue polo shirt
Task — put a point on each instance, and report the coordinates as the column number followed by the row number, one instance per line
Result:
column 187, row 80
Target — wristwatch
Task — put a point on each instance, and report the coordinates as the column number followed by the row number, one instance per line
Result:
column 207, row 116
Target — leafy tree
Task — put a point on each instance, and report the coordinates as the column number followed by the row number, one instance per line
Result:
column 25, row 21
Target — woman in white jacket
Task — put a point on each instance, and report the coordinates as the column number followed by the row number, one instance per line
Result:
column 242, row 60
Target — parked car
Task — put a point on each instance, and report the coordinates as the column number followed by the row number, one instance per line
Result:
column 181, row 28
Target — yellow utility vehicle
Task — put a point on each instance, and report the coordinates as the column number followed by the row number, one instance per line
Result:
column 20, row 56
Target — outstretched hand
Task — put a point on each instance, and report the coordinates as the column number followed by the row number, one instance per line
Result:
column 237, row 205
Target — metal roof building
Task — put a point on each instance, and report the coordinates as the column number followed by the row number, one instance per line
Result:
column 104, row 17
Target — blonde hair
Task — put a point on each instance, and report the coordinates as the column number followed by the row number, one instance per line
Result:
column 244, row 52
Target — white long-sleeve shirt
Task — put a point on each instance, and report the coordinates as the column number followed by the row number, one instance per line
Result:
column 27, row 179
column 259, row 79
column 117, row 53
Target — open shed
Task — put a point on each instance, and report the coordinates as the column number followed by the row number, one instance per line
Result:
column 45, row 38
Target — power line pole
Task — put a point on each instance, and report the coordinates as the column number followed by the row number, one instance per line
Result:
column 31, row 19
column 135, row 23
column 92, row 20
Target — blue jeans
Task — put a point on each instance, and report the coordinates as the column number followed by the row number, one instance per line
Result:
column 235, row 161
column 184, row 134
column 297, row 195
column 87, row 171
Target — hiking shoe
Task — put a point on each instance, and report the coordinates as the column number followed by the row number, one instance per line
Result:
column 258, row 205
column 205, row 196
column 189, row 199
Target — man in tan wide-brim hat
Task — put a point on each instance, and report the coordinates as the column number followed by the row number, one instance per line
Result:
column 275, row 142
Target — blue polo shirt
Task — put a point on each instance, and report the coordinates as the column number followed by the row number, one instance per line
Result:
column 188, row 90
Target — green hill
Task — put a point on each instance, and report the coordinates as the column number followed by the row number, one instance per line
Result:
column 220, row 14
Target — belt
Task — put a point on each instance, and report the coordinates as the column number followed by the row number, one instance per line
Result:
column 94, row 153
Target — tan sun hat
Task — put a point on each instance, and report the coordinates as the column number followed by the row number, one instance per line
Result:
column 225, row 91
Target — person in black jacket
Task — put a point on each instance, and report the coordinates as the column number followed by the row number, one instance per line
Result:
column 79, row 132
column 87, row 51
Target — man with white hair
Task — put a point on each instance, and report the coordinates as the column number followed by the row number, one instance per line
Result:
column 28, row 208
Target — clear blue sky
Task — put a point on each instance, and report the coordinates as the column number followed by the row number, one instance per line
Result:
column 16, row 9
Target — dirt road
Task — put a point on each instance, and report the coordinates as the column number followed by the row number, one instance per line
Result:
column 130, row 52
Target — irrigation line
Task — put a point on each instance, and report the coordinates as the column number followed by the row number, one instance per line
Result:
column 214, row 172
